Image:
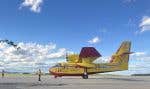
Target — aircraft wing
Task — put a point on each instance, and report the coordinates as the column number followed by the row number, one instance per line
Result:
column 89, row 54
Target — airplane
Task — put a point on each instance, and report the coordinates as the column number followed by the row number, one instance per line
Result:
column 83, row 64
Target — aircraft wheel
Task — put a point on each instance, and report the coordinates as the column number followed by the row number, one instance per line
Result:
column 55, row 76
column 85, row 76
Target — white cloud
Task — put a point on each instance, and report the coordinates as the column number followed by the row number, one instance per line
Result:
column 145, row 24
column 140, row 62
column 61, row 52
column 103, row 60
column 34, row 5
column 30, row 56
column 94, row 40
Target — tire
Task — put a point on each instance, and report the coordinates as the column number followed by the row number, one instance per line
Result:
column 85, row 76
column 55, row 76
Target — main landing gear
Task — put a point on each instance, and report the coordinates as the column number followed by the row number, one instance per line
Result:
column 55, row 76
column 85, row 74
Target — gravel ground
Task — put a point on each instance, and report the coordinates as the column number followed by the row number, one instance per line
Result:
column 94, row 82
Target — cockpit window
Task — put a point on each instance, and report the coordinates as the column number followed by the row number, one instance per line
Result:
column 57, row 65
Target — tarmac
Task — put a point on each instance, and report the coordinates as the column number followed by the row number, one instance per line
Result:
column 94, row 82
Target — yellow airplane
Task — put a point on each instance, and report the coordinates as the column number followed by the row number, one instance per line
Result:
column 83, row 64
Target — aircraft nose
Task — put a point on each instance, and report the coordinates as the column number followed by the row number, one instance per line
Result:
column 50, row 70
column 53, row 69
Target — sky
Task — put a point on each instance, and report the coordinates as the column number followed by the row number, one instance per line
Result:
column 47, row 29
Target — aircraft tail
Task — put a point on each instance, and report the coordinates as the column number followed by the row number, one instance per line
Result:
column 122, row 55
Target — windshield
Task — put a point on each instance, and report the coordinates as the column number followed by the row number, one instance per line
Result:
column 57, row 65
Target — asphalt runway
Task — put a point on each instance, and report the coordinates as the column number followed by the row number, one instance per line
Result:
column 94, row 82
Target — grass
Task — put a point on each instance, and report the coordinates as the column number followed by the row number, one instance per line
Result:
column 16, row 74
column 20, row 74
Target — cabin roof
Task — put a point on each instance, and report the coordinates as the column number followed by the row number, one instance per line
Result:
column 89, row 52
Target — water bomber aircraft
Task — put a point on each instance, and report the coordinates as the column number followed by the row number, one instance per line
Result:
column 83, row 64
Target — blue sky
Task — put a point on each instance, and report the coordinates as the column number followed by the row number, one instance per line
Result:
column 72, row 24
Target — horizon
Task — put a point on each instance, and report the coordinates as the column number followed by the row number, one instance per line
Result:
column 46, row 30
